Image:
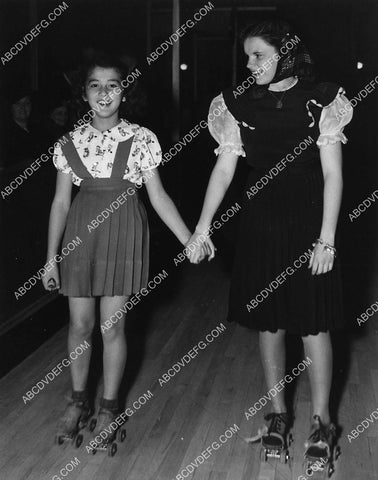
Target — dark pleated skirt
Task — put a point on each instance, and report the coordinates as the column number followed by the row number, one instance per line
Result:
column 112, row 258
column 278, row 225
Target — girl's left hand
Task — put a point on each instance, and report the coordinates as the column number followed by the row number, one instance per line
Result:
column 321, row 260
column 200, row 248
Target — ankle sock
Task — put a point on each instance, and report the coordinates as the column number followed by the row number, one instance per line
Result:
column 79, row 395
column 111, row 405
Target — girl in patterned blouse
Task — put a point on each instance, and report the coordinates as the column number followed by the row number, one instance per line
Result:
column 109, row 159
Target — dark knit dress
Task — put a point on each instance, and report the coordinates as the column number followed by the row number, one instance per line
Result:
column 271, row 286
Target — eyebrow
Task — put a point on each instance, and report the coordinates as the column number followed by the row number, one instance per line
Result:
column 108, row 80
column 254, row 52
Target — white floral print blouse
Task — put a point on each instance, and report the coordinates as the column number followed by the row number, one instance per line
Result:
column 97, row 151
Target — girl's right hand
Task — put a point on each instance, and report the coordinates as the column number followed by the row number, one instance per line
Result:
column 209, row 248
column 51, row 280
column 200, row 248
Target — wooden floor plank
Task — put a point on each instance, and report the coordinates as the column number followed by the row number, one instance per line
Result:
column 188, row 413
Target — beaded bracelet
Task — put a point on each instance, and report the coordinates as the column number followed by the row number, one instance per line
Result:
column 327, row 246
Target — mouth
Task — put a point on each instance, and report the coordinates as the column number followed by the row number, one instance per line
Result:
column 257, row 73
column 105, row 102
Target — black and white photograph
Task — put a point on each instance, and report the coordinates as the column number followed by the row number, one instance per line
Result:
column 189, row 240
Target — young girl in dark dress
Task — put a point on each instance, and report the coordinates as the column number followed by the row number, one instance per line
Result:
column 108, row 158
column 288, row 122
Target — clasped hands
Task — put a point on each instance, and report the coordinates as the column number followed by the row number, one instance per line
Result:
column 199, row 246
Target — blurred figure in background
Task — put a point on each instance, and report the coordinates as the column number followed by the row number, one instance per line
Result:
column 56, row 123
column 20, row 142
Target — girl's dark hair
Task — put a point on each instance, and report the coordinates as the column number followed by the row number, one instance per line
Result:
column 271, row 31
column 275, row 32
column 134, row 107
column 103, row 60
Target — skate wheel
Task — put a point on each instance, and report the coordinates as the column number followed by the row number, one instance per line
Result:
column 121, row 434
column 337, row 452
column 263, row 455
column 307, row 468
column 112, row 449
column 82, row 423
column 330, row 470
column 92, row 424
column 59, row 440
column 284, row 457
column 79, row 440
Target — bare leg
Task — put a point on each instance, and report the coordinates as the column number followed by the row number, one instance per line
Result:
column 273, row 357
column 319, row 349
column 114, row 345
column 82, row 318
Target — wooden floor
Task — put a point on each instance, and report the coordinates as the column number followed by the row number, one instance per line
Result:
column 190, row 412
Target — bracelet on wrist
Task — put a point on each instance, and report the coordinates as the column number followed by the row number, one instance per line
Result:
column 327, row 246
column 330, row 249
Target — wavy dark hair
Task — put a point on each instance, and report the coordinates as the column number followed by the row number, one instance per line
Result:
column 275, row 32
column 135, row 105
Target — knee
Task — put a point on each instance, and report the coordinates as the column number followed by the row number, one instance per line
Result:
column 111, row 331
column 81, row 326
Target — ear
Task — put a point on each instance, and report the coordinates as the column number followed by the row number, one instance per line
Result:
column 83, row 95
column 123, row 99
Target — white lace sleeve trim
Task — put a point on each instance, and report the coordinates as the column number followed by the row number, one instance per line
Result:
column 333, row 119
column 224, row 128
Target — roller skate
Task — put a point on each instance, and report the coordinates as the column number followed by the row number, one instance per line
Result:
column 276, row 438
column 321, row 450
column 106, row 431
column 74, row 419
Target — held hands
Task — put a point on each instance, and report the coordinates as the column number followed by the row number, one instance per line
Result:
column 200, row 245
column 322, row 258
column 51, row 280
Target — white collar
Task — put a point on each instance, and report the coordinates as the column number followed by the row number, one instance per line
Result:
column 119, row 133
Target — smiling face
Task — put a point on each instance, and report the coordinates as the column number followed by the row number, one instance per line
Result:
column 261, row 55
column 103, row 91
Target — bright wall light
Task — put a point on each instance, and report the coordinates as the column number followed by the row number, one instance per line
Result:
column 184, row 66
column 360, row 65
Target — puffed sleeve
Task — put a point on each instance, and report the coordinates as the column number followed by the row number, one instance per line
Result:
column 333, row 119
column 60, row 160
column 224, row 128
column 150, row 150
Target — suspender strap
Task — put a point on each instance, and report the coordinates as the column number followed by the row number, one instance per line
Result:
column 74, row 159
column 77, row 166
column 121, row 158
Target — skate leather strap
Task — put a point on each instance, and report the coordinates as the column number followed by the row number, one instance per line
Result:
column 260, row 433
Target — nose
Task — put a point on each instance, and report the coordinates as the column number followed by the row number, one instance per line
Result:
column 250, row 65
column 104, row 89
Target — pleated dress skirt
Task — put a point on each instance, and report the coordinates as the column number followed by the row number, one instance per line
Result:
column 271, row 286
column 112, row 249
